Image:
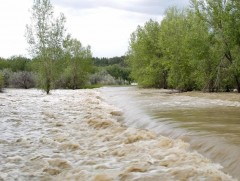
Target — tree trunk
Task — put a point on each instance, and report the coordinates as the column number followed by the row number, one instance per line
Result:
column 48, row 85
column 165, row 75
column 228, row 55
column 238, row 83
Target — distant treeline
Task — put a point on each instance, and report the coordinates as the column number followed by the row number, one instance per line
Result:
column 22, row 72
column 197, row 48
column 109, row 61
column 16, row 63
column 111, row 71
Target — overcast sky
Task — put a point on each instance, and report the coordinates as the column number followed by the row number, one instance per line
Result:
column 105, row 25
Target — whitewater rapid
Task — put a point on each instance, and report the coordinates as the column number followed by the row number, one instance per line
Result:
column 77, row 135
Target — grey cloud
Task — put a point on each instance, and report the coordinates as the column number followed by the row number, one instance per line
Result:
column 153, row 7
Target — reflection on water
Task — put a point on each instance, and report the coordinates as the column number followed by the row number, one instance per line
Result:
column 211, row 126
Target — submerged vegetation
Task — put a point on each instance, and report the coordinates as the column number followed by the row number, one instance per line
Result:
column 196, row 48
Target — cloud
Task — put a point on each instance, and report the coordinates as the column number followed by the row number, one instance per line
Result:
column 151, row 7
column 106, row 25
column 107, row 30
column 13, row 18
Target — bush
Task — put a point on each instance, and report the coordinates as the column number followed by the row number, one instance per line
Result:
column 6, row 73
column 1, row 82
column 102, row 78
column 67, row 81
column 23, row 79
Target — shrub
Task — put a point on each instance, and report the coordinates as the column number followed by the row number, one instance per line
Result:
column 1, row 82
column 6, row 73
column 102, row 78
column 23, row 79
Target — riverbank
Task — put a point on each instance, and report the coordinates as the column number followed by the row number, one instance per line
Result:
column 77, row 135
column 225, row 96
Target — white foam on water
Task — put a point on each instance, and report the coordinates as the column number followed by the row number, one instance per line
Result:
column 76, row 135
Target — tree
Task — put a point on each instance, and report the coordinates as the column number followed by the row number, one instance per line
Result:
column 4, row 64
column 175, row 36
column 144, row 56
column 192, row 48
column 101, row 62
column 6, row 73
column 223, row 19
column 18, row 63
column 121, row 74
column 45, row 36
column 79, row 63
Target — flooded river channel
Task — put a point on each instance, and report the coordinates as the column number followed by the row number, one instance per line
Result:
column 211, row 126
column 117, row 134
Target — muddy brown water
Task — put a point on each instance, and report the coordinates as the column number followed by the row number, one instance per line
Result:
column 211, row 126
column 113, row 134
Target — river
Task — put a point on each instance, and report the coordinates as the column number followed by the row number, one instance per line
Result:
column 211, row 126
column 116, row 134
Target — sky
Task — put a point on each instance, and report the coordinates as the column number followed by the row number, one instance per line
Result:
column 105, row 25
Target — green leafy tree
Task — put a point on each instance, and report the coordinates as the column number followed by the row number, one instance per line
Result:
column 101, row 62
column 45, row 36
column 120, row 73
column 79, row 63
column 186, row 48
column 6, row 73
column 145, row 56
column 4, row 64
column 204, row 54
column 193, row 48
column 18, row 63
column 177, row 54
column 223, row 19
